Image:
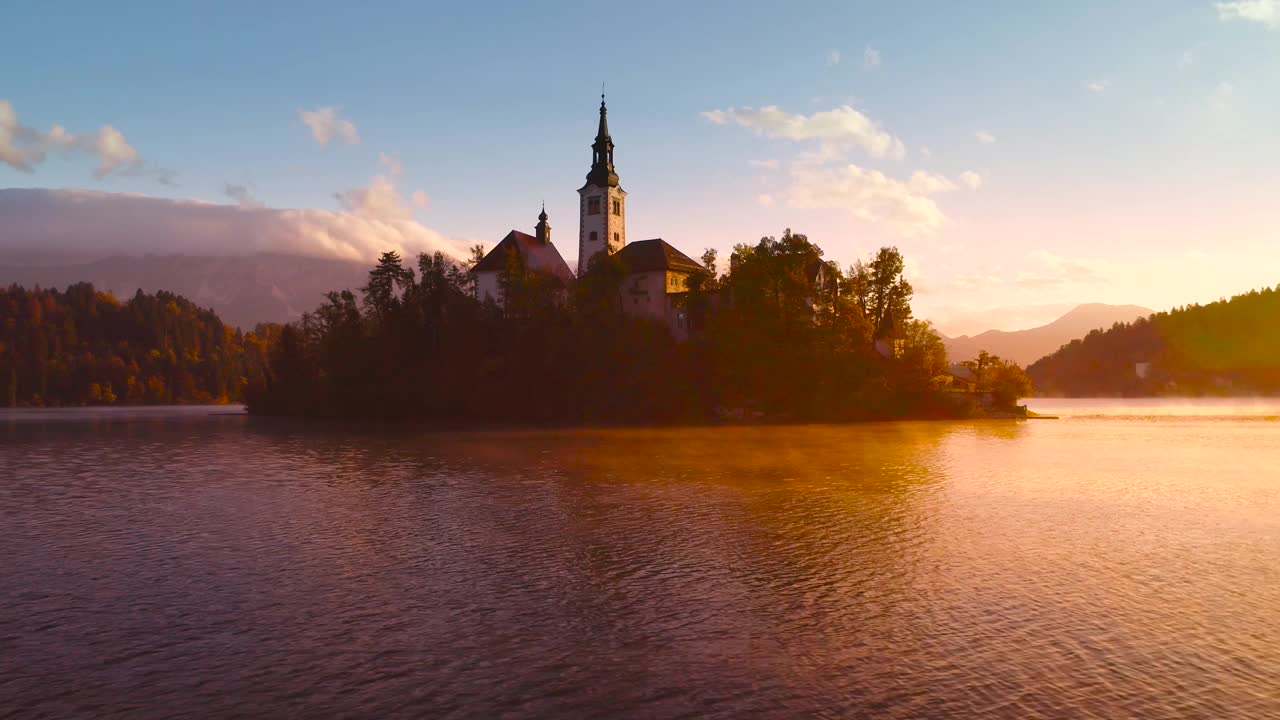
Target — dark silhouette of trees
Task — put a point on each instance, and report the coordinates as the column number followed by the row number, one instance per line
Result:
column 84, row 347
column 1004, row 379
column 888, row 293
column 1229, row 347
column 783, row 334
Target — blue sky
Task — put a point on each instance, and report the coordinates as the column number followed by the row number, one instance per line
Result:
column 1131, row 153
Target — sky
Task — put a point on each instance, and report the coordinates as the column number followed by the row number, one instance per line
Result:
column 1024, row 157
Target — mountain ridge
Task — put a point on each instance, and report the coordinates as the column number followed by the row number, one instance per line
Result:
column 1026, row 346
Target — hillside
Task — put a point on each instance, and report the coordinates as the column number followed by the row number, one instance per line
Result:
column 1230, row 347
column 86, row 347
column 1026, row 346
column 242, row 290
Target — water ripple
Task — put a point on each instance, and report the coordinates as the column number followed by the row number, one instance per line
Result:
column 175, row 564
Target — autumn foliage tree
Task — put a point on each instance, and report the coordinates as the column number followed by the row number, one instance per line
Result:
column 85, row 347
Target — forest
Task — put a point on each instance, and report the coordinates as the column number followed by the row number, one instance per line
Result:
column 1229, row 347
column 85, row 347
column 781, row 334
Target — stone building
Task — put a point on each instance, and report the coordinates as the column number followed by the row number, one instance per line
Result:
column 656, row 273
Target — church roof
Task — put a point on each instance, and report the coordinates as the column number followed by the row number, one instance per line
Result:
column 602, row 172
column 656, row 254
column 538, row 256
column 602, row 133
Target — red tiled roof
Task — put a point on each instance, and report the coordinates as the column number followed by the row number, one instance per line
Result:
column 656, row 254
column 539, row 257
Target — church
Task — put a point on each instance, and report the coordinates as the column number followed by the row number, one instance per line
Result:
column 657, row 274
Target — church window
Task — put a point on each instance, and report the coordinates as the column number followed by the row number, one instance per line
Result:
column 615, row 237
column 593, row 205
column 593, row 237
column 617, row 207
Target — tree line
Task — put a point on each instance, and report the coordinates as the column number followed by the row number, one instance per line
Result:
column 85, row 347
column 782, row 333
column 1229, row 347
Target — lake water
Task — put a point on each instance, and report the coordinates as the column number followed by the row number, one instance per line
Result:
column 1123, row 561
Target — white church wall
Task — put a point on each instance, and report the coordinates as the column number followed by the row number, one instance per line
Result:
column 644, row 294
column 487, row 287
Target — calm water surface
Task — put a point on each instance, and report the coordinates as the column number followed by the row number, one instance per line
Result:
column 1123, row 561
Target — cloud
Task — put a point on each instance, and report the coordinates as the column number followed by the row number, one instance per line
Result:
column 841, row 127
column 927, row 183
column 925, row 152
column 865, row 194
column 325, row 125
column 23, row 148
column 833, row 57
column 1263, row 12
column 764, row 164
column 764, row 200
column 420, row 199
column 1058, row 270
column 91, row 222
column 241, row 195
column 984, row 137
column 1050, row 270
column 870, row 58
column 1098, row 86
column 973, row 281
column 380, row 200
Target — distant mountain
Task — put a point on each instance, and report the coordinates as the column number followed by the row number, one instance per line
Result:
column 1026, row 346
column 1229, row 347
column 243, row 290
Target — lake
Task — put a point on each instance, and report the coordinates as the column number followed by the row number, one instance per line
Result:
column 1123, row 561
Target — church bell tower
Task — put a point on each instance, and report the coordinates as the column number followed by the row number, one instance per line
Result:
column 603, row 203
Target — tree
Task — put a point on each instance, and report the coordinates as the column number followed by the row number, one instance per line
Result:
column 1225, row 347
column 979, row 365
column 597, row 292
column 888, row 294
column 1007, row 382
column 923, row 349
column 385, row 279
column 709, row 261
column 781, row 334
column 80, row 345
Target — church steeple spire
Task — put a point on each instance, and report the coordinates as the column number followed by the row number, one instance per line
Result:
column 603, row 132
column 542, row 230
column 602, row 173
column 602, row 213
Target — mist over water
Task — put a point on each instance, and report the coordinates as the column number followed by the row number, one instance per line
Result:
column 1230, row 408
column 162, row 562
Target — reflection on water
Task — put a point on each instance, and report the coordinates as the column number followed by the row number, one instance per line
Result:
column 175, row 562
column 1164, row 407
